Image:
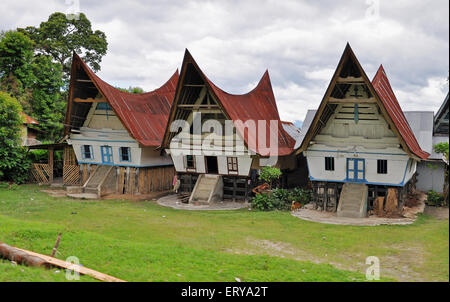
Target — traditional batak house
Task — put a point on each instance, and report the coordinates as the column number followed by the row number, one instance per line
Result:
column 212, row 161
column 359, row 145
column 114, row 135
column 27, row 132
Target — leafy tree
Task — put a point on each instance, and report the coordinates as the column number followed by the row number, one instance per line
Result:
column 59, row 36
column 16, row 74
column 14, row 164
column 443, row 148
column 48, row 105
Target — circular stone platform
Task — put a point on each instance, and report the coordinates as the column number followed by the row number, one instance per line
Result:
column 331, row 218
column 173, row 202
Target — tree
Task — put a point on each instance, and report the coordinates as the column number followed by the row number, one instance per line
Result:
column 443, row 148
column 14, row 164
column 48, row 105
column 59, row 36
column 16, row 74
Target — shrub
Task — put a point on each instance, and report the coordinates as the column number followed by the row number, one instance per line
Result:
column 434, row 199
column 280, row 199
column 269, row 174
column 302, row 196
column 263, row 202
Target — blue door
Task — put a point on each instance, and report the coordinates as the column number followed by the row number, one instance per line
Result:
column 356, row 170
column 107, row 156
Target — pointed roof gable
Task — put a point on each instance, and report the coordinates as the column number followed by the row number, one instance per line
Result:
column 144, row 115
column 28, row 119
column 384, row 90
column 390, row 109
column 258, row 105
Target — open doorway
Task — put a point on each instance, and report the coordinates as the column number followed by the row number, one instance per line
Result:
column 211, row 165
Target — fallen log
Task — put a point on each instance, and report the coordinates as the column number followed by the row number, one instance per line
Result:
column 21, row 257
column 35, row 259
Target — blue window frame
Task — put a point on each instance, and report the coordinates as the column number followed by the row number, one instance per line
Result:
column 87, row 152
column 103, row 106
column 107, row 155
column 356, row 170
column 125, row 154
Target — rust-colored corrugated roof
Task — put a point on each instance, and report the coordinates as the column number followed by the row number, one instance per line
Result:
column 256, row 105
column 144, row 115
column 28, row 119
column 384, row 90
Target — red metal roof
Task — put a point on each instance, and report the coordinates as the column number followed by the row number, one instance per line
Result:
column 257, row 105
column 144, row 115
column 384, row 90
column 29, row 119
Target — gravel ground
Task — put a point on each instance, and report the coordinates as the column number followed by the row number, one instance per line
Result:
column 173, row 202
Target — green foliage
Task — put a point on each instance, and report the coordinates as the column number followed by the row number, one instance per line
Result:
column 59, row 36
column 269, row 174
column 435, row 199
column 442, row 148
column 280, row 199
column 132, row 89
column 48, row 105
column 263, row 202
column 14, row 163
column 16, row 53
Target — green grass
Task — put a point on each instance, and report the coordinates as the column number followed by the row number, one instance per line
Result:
column 142, row 241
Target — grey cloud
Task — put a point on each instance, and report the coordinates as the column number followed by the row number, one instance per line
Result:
column 234, row 42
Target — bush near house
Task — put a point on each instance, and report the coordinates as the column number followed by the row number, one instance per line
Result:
column 269, row 175
column 435, row 199
column 281, row 199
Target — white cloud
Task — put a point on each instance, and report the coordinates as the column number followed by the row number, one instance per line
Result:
column 234, row 42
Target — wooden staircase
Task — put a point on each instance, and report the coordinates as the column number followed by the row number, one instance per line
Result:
column 353, row 200
column 208, row 188
column 92, row 189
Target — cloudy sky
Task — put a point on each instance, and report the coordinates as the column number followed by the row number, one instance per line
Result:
column 234, row 42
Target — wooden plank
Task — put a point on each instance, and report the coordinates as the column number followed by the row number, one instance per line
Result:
column 350, row 80
column 332, row 100
column 67, row 265
column 89, row 100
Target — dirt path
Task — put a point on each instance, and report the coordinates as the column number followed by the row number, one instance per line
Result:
column 436, row 212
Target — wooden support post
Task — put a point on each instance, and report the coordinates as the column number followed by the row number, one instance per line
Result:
column 56, row 245
column 50, row 163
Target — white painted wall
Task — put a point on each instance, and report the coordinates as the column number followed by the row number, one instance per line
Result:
column 96, row 133
column 430, row 176
column 369, row 139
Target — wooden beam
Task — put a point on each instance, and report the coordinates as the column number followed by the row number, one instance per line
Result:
column 332, row 100
column 350, row 80
column 89, row 100
column 190, row 106
column 82, row 80
column 67, row 265
column 194, row 85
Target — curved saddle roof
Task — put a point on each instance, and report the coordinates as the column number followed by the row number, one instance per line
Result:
column 258, row 105
column 384, row 90
column 144, row 115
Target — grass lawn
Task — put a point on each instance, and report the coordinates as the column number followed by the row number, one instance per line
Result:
column 142, row 241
